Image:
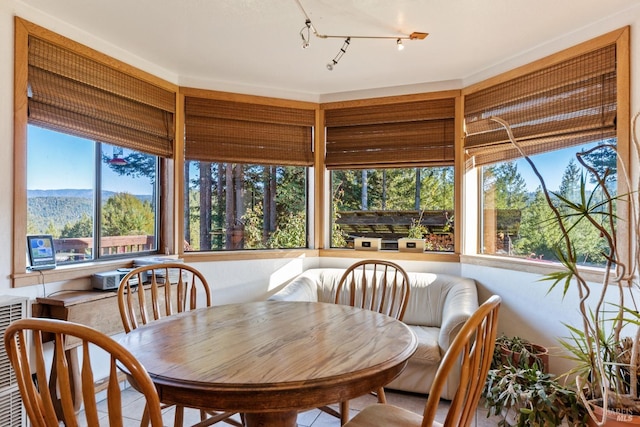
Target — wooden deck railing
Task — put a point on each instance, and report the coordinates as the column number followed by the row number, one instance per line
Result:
column 79, row 248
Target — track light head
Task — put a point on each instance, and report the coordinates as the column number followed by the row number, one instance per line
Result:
column 400, row 45
column 305, row 34
column 342, row 51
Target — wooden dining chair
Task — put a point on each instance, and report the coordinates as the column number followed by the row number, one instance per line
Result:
column 47, row 394
column 473, row 348
column 376, row 285
column 143, row 297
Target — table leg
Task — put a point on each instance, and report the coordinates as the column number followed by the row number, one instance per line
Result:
column 271, row 419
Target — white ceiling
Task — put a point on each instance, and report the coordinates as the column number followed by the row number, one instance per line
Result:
column 256, row 43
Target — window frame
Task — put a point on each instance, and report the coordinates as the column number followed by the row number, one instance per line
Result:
column 621, row 38
column 396, row 228
column 313, row 190
column 166, row 241
column 458, row 170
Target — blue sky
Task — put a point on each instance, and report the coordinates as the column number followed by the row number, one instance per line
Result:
column 551, row 166
column 68, row 162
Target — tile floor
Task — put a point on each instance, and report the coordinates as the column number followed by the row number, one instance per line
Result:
column 133, row 405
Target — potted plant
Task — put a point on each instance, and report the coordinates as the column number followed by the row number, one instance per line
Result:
column 526, row 396
column 522, row 393
column 520, row 352
column 415, row 241
column 605, row 382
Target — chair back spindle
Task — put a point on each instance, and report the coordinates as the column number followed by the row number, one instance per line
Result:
column 380, row 286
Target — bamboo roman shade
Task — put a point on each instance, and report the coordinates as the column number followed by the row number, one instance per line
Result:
column 408, row 134
column 74, row 94
column 570, row 103
column 241, row 132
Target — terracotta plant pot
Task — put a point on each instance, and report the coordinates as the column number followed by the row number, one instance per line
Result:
column 614, row 418
column 537, row 352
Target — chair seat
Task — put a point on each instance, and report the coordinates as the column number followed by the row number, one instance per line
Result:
column 379, row 415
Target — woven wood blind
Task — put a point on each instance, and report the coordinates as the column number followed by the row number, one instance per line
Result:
column 240, row 132
column 570, row 103
column 74, row 94
column 409, row 134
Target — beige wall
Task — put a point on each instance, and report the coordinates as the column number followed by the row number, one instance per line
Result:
column 527, row 311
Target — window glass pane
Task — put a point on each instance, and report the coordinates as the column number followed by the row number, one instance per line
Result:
column 128, row 219
column 62, row 196
column 60, row 191
column 384, row 203
column 241, row 206
column 516, row 218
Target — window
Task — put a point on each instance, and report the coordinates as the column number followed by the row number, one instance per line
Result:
column 391, row 167
column 62, row 196
column 246, row 173
column 384, row 203
column 94, row 139
column 231, row 206
column 518, row 222
column 558, row 113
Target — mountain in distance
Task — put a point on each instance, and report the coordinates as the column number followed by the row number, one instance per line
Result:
column 80, row 193
column 57, row 208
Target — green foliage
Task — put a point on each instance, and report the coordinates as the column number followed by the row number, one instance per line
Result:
column 291, row 196
column 124, row 214
column 416, row 229
column 338, row 237
column 537, row 231
column 394, row 189
column 48, row 213
column 138, row 165
column 81, row 228
column 253, row 235
column 529, row 354
column 522, row 394
column 290, row 233
column 528, row 397
column 246, row 193
column 506, row 185
column 539, row 235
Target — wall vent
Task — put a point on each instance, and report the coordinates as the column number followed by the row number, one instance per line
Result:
column 12, row 413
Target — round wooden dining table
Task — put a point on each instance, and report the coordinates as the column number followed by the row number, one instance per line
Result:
column 271, row 359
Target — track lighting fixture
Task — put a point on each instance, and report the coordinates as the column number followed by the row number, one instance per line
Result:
column 308, row 29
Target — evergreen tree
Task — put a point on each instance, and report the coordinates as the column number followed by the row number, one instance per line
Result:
column 509, row 186
column 401, row 191
column 570, row 183
column 437, row 188
column 537, row 232
column 604, row 160
column 573, row 192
